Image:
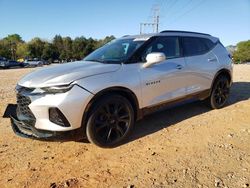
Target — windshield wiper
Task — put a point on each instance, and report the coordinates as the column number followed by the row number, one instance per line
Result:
column 95, row 60
column 108, row 61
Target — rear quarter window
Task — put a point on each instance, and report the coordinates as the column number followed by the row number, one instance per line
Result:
column 208, row 43
column 196, row 46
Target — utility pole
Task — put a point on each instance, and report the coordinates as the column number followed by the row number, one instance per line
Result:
column 155, row 23
column 156, row 10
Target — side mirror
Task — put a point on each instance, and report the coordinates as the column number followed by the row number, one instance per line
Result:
column 154, row 58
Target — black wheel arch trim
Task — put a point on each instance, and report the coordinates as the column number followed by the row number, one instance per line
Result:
column 123, row 91
column 220, row 72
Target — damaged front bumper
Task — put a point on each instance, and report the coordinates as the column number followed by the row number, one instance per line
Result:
column 27, row 131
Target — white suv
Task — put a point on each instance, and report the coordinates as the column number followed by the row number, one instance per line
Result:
column 102, row 96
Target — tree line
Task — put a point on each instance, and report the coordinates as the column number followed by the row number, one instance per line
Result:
column 67, row 49
column 242, row 52
column 60, row 48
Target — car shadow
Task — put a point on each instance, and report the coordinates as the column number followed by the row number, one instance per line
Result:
column 240, row 91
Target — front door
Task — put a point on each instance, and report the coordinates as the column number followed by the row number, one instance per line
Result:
column 164, row 81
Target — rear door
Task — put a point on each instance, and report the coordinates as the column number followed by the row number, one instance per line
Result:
column 201, row 63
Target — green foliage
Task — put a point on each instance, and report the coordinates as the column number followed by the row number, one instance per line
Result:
column 90, row 47
column 15, row 38
column 78, row 47
column 61, row 48
column 105, row 41
column 22, row 50
column 8, row 46
column 242, row 52
column 50, row 52
column 35, row 48
column 5, row 49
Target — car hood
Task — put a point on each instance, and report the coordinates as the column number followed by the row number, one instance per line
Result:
column 65, row 73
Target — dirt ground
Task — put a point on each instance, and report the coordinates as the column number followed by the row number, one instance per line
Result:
column 187, row 146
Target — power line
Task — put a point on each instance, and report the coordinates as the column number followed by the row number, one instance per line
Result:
column 184, row 5
column 188, row 11
column 169, row 5
column 173, row 4
column 163, row 4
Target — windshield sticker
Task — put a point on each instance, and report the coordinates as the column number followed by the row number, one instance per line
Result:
column 141, row 39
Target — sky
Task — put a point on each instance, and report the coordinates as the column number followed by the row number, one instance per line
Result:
column 227, row 19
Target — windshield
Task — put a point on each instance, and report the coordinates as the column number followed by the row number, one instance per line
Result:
column 116, row 51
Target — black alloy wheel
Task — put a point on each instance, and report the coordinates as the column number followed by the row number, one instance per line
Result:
column 220, row 92
column 110, row 121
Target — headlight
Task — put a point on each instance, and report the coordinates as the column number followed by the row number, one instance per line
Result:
column 53, row 89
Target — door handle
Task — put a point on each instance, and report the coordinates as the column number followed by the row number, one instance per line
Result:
column 211, row 59
column 179, row 67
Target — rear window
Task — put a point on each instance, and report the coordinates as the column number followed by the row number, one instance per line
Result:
column 196, row 46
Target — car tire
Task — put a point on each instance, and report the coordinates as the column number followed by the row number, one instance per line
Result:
column 220, row 93
column 110, row 121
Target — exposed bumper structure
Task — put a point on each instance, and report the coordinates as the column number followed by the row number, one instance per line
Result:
column 27, row 131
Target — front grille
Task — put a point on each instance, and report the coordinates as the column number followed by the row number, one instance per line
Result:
column 23, row 111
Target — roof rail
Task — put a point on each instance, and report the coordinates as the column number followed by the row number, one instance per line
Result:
column 174, row 31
